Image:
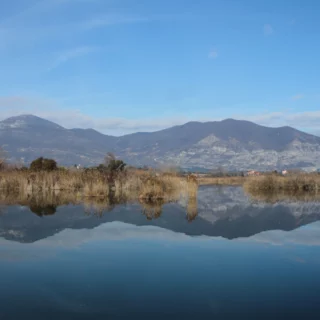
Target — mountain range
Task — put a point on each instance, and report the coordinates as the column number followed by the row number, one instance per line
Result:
column 232, row 144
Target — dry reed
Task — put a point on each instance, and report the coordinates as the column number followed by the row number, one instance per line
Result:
column 292, row 183
column 148, row 186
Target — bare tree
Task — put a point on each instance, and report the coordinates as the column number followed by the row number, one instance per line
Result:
column 108, row 158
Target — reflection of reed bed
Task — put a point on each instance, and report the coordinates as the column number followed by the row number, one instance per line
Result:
column 284, row 196
column 93, row 183
column 192, row 209
column 46, row 202
column 98, row 206
column 293, row 183
column 43, row 198
column 228, row 181
column 43, row 192
column 152, row 210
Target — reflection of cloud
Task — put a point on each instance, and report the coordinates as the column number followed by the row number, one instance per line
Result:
column 71, row 238
column 308, row 235
column 118, row 231
column 112, row 231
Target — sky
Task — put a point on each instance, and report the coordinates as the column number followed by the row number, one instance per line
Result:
column 121, row 66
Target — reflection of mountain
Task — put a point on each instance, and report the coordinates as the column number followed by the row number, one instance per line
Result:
column 222, row 212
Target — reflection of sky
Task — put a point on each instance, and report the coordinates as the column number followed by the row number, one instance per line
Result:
column 116, row 268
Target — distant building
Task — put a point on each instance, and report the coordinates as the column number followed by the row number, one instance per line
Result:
column 253, row 173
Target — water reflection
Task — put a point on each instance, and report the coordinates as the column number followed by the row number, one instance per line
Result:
column 152, row 210
column 65, row 257
column 284, row 196
column 43, row 210
column 192, row 209
column 216, row 212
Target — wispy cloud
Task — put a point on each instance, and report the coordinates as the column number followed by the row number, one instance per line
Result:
column 113, row 19
column 292, row 22
column 24, row 27
column 35, row 8
column 213, row 54
column 268, row 30
column 308, row 120
column 297, row 97
column 72, row 54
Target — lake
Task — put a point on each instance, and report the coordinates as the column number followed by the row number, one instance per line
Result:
column 224, row 257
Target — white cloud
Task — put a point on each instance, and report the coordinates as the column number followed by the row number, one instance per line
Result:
column 213, row 54
column 72, row 118
column 73, row 53
column 297, row 97
column 267, row 30
column 113, row 19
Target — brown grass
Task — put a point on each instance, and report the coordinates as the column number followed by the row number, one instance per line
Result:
column 292, row 183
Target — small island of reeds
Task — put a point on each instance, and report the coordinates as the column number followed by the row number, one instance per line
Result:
column 109, row 179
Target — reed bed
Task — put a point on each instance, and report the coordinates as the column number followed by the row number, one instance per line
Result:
column 148, row 186
column 292, row 183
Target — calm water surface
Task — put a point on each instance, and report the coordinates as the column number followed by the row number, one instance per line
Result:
column 231, row 258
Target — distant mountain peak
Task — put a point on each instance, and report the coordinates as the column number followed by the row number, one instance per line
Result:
column 28, row 120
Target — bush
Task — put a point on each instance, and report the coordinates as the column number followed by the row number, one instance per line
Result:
column 116, row 165
column 112, row 164
column 43, row 164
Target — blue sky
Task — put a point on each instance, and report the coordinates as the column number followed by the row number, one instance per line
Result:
column 122, row 66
